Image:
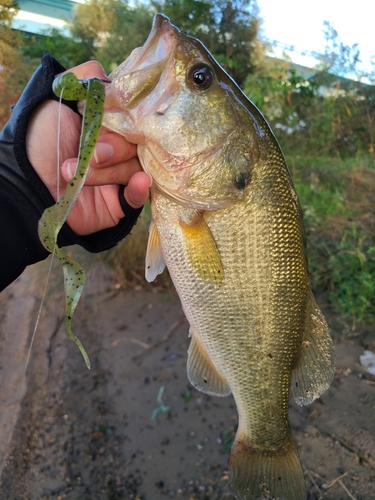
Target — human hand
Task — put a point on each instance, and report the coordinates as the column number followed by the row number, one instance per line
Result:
column 115, row 162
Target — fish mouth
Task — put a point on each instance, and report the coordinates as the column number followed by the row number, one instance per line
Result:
column 139, row 74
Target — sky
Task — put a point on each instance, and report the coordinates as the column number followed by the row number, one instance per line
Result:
column 300, row 23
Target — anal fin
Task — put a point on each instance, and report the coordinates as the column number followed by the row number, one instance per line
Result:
column 314, row 371
column 202, row 373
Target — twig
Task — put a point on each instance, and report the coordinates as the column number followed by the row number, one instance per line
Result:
column 316, row 474
column 164, row 339
column 313, row 481
column 132, row 340
column 368, row 382
column 346, row 489
column 139, row 278
column 365, row 372
column 331, row 483
column 364, row 455
column 327, row 486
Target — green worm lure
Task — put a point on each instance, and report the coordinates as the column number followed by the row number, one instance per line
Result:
column 92, row 90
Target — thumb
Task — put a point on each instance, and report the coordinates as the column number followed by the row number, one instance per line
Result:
column 137, row 192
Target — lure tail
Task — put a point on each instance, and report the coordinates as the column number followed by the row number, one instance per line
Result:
column 266, row 475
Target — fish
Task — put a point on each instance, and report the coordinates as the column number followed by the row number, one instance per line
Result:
column 227, row 223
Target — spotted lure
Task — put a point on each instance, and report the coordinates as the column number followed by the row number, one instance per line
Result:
column 68, row 87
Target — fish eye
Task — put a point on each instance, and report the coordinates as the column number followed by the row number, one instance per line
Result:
column 201, row 76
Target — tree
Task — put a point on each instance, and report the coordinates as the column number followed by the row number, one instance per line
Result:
column 236, row 44
column 8, row 38
column 328, row 109
column 229, row 29
column 68, row 51
column 352, row 94
column 14, row 70
column 110, row 29
column 8, row 10
column 195, row 17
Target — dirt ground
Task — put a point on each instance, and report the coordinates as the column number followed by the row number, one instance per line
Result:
column 72, row 433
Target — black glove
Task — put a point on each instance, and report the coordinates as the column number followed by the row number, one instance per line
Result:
column 23, row 195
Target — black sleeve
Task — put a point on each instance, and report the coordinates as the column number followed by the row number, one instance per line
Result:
column 24, row 197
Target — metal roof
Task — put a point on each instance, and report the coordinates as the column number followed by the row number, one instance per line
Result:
column 35, row 16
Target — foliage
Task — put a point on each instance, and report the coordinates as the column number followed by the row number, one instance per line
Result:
column 339, row 59
column 8, row 38
column 329, row 109
column 68, row 51
column 337, row 202
column 229, row 29
column 349, row 97
column 352, row 267
column 110, row 29
column 8, row 10
column 193, row 16
column 236, row 43
column 14, row 69
column 315, row 115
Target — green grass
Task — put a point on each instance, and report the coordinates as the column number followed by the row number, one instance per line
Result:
column 352, row 269
column 337, row 198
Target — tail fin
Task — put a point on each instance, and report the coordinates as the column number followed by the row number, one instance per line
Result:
column 261, row 475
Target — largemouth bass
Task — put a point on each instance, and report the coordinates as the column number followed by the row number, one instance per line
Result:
column 227, row 223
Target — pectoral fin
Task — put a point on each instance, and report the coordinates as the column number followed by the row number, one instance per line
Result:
column 316, row 364
column 155, row 262
column 202, row 250
column 202, row 373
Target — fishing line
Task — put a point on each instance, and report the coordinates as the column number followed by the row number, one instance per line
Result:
column 58, row 149
column 20, row 386
column 23, row 379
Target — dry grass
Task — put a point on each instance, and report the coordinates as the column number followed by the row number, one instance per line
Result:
column 127, row 260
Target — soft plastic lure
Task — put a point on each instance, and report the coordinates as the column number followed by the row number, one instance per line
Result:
column 68, row 87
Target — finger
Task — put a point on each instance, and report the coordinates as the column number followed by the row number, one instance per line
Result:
column 88, row 69
column 111, row 149
column 99, row 176
column 137, row 192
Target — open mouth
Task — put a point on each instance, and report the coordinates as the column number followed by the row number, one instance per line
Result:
column 139, row 74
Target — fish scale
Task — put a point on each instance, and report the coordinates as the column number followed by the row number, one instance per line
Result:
column 208, row 310
column 227, row 223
